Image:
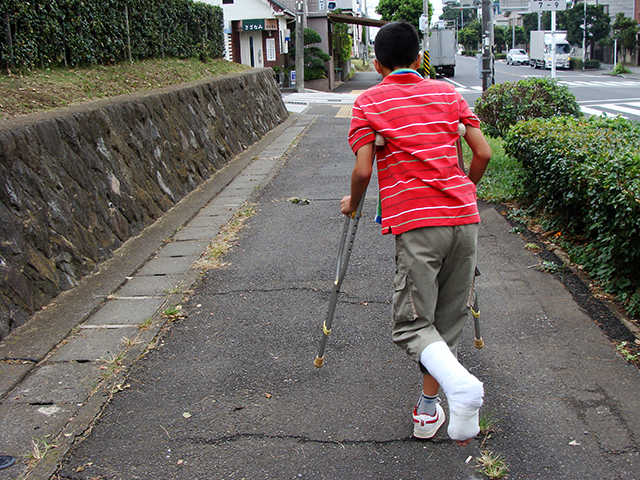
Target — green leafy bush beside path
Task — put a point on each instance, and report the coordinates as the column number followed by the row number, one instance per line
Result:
column 586, row 174
column 502, row 106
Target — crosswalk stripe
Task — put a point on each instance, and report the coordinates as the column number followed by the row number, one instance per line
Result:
column 592, row 111
column 620, row 108
column 603, row 113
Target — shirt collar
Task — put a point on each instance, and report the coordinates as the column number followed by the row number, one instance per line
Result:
column 405, row 70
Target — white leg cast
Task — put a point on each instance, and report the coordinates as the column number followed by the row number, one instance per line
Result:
column 464, row 392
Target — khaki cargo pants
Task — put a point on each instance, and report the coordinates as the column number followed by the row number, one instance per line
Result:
column 434, row 270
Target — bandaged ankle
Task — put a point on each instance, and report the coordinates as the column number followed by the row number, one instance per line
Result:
column 464, row 392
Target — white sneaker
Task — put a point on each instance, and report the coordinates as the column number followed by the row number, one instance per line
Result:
column 425, row 426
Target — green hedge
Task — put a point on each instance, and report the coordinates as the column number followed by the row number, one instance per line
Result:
column 502, row 106
column 50, row 33
column 586, row 174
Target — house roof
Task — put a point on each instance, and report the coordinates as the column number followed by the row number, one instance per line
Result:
column 283, row 8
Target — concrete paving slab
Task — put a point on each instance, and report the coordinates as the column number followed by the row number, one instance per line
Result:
column 205, row 221
column 260, row 167
column 232, row 200
column 168, row 265
column 199, row 233
column 92, row 345
column 57, row 383
column 149, row 285
column 216, row 208
column 183, row 249
column 126, row 311
column 244, row 184
column 11, row 373
column 24, row 423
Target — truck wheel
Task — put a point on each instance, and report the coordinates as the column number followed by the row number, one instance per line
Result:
column 452, row 72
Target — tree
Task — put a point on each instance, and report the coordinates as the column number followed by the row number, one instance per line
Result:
column 626, row 31
column 342, row 42
column 521, row 36
column 314, row 57
column 499, row 38
column 598, row 24
column 469, row 36
column 408, row 10
column 468, row 15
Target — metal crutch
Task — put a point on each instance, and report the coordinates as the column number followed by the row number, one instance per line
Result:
column 346, row 246
column 472, row 301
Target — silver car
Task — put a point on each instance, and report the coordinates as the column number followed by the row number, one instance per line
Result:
column 517, row 56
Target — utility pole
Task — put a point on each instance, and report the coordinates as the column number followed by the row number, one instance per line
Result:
column 424, row 26
column 488, row 78
column 584, row 35
column 553, row 44
column 300, row 46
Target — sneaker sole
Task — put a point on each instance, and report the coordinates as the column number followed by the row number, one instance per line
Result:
column 438, row 424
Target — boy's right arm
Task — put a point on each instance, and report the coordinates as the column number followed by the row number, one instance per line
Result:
column 360, row 177
column 481, row 153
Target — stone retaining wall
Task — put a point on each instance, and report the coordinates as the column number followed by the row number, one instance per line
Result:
column 76, row 183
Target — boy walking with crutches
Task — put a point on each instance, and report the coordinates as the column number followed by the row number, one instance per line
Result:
column 429, row 204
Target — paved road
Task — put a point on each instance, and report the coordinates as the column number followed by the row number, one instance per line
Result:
column 230, row 391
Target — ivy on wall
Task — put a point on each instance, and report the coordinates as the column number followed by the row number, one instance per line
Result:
column 52, row 33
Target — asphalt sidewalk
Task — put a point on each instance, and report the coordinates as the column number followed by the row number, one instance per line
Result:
column 57, row 371
column 229, row 389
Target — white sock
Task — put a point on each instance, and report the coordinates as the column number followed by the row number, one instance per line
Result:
column 464, row 392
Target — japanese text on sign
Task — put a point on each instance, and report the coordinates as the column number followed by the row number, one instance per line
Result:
column 250, row 25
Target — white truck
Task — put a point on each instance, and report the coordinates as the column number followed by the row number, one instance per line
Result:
column 442, row 51
column 541, row 49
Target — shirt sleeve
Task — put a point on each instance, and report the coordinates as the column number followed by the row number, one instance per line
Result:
column 466, row 115
column 360, row 132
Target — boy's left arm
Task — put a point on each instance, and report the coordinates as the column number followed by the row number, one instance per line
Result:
column 360, row 177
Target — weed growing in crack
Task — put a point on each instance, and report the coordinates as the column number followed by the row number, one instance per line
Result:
column 212, row 257
column 492, row 465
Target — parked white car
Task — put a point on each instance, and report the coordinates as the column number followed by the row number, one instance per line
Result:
column 517, row 56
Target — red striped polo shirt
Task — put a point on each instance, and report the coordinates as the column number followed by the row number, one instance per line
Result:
column 420, row 182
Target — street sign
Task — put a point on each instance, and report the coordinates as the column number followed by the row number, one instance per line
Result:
column 423, row 23
column 547, row 5
column 253, row 24
column 514, row 5
column 292, row 78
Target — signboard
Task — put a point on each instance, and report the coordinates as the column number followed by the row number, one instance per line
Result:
column 270, row 24
column 547, row 5
column 423, row 23
column 271, row 49
column 292, row 78
column 251, row 25
column 514, row 5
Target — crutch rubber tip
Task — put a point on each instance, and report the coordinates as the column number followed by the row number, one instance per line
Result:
column 479, row 343
column 318, row 362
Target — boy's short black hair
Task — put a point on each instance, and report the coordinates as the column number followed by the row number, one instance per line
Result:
column 397, row 45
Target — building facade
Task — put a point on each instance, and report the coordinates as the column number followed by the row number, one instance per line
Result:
column 256, row 31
